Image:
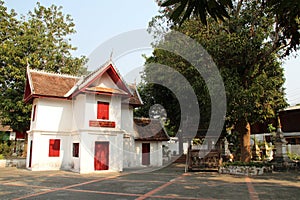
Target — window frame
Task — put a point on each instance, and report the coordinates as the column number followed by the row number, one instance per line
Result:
column 75, row 150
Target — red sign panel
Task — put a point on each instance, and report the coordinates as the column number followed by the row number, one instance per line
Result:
column 108, row 124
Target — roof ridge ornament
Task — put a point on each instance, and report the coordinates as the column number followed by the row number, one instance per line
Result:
column 53, row 73
column 111, row 55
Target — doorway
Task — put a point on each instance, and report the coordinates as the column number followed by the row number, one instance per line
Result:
column 145, row 153
column 30, row 154
column 101, row 157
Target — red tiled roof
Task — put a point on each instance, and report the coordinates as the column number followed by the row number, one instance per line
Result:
column 50, row 84
column 149, row 130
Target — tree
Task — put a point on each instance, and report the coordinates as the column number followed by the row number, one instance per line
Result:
column 39, row 41
column 242, row 48
column 286, row 12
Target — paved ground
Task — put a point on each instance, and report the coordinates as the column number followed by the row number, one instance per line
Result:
column 167, row 183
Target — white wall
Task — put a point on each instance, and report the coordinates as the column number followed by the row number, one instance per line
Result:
column 79, row 112
column 295, row 148
column 87, row 150
column 53, row 115
column 155, row 153
column 40, row 152
column 105, row 81
column 127, row 118
column 129, row 154
column 91, row 109
column 173, row 145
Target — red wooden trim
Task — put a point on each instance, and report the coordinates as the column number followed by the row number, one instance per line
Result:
column 106, row 93
column 89, row 83
column 107, row 124
column 44, row 96
column 114, row 76
column 117, row 79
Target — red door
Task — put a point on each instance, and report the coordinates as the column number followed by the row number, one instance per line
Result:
column 145, row 153
column 101, row 159
column 30, row 154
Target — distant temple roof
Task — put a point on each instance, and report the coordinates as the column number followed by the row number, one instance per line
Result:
column 150, row 130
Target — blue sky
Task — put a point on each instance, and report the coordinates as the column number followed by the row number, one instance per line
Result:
column 98, row 21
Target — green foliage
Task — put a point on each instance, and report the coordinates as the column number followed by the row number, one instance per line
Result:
column 287, row 13
column 39, row 40
column 243, row 52
column 293, row 156
column 184, row 9
column 6, row 149
column 271, row 128
column 2, row 157
column 247, row 55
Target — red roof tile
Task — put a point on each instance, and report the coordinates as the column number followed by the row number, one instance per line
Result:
column 50, row 84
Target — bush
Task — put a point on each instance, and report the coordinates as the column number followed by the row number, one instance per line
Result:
column 293, row 156
column 5, row 150
column 1, row 157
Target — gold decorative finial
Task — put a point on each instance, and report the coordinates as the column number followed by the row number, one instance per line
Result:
column 111, row 54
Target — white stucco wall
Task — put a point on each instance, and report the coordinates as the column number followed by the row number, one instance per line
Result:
column 53, row 115
column 79, row 111
column 87, row 150
column 91, row 109
column 105, row 81
column 155, row 153
column 40, row 152
column 127, row 118
column 129, row 154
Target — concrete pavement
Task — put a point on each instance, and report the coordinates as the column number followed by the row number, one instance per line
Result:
column 167, row 183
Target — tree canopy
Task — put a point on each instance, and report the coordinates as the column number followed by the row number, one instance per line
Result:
column 38, row 40
column 286, row 12
column 243, row 49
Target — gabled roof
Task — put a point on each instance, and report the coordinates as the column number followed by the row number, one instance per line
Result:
column 108, row 68
column 47, row 84
column 150, row 130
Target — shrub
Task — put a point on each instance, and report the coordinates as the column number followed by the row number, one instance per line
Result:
column 5, row 149
column 293, row 156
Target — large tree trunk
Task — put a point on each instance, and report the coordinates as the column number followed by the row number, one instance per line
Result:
column 243, row 128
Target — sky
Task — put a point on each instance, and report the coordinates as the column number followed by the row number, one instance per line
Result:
column 98, row 23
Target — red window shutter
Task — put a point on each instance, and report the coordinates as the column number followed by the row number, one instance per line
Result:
column 103, row 110
column 54, row 147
